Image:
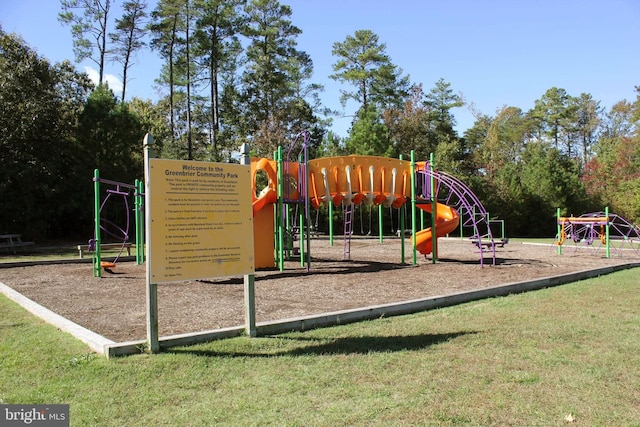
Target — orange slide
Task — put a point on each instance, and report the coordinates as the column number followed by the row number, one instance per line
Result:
column 447, row 220
column 268, row 194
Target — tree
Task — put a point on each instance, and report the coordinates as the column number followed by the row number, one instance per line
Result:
column 550, row 180
column 363, row 63
column 554, row 114
column 332, row 145
column 612, row 176
column 505, row 140
column 587, row 123
column 369, row 136
column 39, row 104
column 109, row 134
column 410, row 127
column 129, row 36
column 450, row 150
column 165, row 28
column 273, row 77
column 441, row 100
column 153, row 119
column 88, row 20
column 187, row 64
column 218, row 47
column 475, row 138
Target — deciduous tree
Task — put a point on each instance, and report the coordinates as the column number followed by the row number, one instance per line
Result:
column 39, row 104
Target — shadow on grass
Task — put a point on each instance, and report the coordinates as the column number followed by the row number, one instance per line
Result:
column 309, row 346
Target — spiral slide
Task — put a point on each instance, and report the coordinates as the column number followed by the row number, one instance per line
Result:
column 447, row 220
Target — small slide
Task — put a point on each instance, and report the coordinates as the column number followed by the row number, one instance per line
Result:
column 447, row 220
column 267, row 197
column 268, row 194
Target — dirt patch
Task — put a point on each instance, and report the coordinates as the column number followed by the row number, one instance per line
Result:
column 114, row 306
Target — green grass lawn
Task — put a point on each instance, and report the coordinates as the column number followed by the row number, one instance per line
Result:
column 536, row 359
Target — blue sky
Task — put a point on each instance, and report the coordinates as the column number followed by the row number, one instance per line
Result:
column 493, row 52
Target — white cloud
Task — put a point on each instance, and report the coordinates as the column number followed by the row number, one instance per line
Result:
column 113, row 81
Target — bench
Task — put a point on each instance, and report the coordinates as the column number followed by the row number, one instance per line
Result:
column 489, row 243
column 12, row 242
column 313, row 231
column 85, row 248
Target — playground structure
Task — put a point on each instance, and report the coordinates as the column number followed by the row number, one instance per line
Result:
column 117, row 231
column 598, row 230
column 295, row 185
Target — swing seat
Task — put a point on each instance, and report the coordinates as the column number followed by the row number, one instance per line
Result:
column 107, row 264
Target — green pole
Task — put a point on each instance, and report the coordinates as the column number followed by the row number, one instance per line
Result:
column 143, row 229
column 96, row 208
column 559, row 232
column 302, row 237
column 413, row 207
column 434, row 208
column 288, row 241
column 143, row 254
column 606, row 213
column 489, row 233
column 280, row 213
column 137, row 204
column 380, row 230
column 401, row 213
column 330, row 222
column 276, row 219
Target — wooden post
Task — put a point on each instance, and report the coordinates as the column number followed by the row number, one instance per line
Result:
column 249, row 279
column 152, row 288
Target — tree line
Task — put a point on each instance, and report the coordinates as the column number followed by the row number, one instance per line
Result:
column 233, row 73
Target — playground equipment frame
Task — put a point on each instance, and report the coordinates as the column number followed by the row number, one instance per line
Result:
column 613, row 229
column 116, row 187
column 335, row 182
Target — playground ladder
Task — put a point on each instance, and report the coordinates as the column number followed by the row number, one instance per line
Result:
column 348, row 231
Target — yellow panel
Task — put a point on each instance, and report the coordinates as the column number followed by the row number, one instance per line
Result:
column 201, row 220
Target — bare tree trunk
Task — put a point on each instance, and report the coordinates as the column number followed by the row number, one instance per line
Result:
column 214, row 97
column 189, row 140
column 103, row 39
column 172, row 123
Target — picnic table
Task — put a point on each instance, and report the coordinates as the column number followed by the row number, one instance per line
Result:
column 12, row 241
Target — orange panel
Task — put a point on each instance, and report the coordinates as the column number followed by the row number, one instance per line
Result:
column 360, row 179
column 263, row 238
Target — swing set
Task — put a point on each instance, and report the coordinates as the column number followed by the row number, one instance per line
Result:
column 118, row 231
